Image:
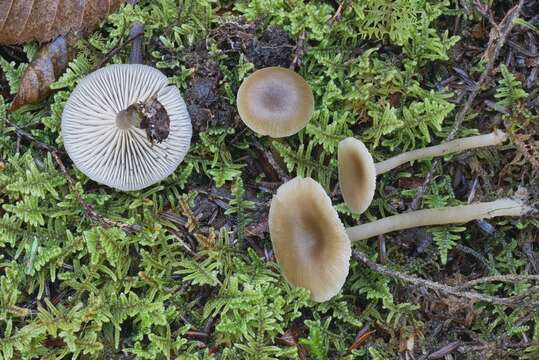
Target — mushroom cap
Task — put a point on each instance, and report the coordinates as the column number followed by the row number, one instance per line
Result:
column 123, row 158
column 309, row 239
column 357, row 174
column 275, row 101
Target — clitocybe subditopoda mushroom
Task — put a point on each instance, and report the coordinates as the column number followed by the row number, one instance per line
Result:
column 358, row 171
column 275, row 101
column 313, row 247
column 124, row 126
column 309, row 239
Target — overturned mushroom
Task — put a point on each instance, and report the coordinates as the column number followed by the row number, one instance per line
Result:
column 275, row 101
column 358, row 171
column 313, row 248
column 124, row 126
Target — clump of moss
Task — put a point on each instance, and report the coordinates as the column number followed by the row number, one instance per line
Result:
column 198, row 280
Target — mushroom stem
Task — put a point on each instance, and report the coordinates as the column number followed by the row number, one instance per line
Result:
column 128, row 118
column 459, row 145
column 440, row 216
column 137, row 34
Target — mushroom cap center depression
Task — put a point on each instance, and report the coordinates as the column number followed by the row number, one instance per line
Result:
column 314, row 234
column 275, row 100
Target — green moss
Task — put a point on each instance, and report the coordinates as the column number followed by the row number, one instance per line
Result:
column 70, row 288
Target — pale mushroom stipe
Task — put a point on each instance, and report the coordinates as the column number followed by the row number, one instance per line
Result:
column 313, row 247
column 275, row 101
column 124, row 126
column 358, row 171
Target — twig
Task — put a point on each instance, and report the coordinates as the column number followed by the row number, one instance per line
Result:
column 88, row 209
column 496, row 42
column 468, row 250
column 338, row 14
column 271, row 160
column 300, row 51
column 108, row 56
column 475, row 348
column 183, row 244
column 133, row 34
column 197, row 334
column 472, row 295
column 500, row 278
column 21, row 132
column 442, row 352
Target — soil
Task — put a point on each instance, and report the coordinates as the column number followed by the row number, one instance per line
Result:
column 205, row 101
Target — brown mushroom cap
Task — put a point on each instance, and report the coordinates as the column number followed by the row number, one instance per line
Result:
column 357, row 174
column 275, row 101
column 309, row 239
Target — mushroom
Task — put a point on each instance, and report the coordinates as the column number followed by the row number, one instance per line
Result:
column 313, row 247
column 275, row 101
column 309, row 240
column 358, row 171
column 124, row 126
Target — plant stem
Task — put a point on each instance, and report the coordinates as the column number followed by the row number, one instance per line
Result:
column 458, row 145
column 440, row 216
column 455, row 291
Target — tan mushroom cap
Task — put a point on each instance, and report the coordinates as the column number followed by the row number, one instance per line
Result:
column 309, row 239
column 357, row 174
column 275, row 101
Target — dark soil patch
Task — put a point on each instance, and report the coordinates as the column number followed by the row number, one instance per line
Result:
column 205, row 101
column 263, row 47
column 4, row 86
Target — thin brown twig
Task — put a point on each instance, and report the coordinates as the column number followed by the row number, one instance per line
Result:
column 482, row 260
column 498, row 37
column 108, row 56
column 300, row 51
column 88, row 209
column 136, row 31
column 499, row 278
column 442, row 352
column 183, row 244
column 463, row 349
column 338, row 14
column 472, row 295
column 20, row 131
column 271, row 160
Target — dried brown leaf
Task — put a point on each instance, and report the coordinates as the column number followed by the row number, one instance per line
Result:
column 361, row 338
column 42, row 20
column 48, row 64
column 447, row 349
column 410, row 182
column 290, row 338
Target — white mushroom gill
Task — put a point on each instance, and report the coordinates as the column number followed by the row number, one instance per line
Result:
column 111, row 152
